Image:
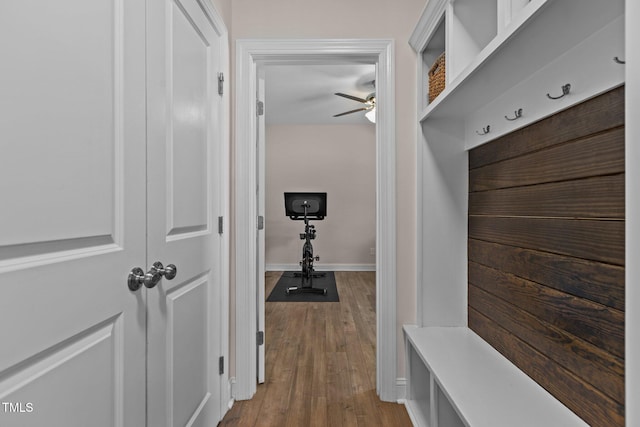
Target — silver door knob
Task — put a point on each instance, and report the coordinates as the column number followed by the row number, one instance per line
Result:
column 137, row 278
column 169, row 272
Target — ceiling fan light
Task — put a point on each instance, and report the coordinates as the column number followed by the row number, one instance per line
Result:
column 371, row 115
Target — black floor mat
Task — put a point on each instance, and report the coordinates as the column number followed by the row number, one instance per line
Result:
column 328, row 282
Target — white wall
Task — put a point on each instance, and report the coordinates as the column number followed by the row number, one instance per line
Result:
column 338, row 160
column 223, row 7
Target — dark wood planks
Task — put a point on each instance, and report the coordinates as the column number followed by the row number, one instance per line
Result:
column 602, row 154
column 577, row 355
column 598, row 197
column 585, row 400
column 599, row 282
column 546, row 253
column 320, row 363
column 587, row 239
column 600, row 325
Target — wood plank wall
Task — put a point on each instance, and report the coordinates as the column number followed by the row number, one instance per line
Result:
column 546, row 253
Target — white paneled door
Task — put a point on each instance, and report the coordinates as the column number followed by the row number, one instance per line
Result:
column 109, row 124
column 72, row 213
column 183, row 60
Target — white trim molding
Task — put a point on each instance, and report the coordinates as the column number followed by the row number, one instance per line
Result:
column 430, row 18
column 290, row 51
column 401, row 390
column 632, row 216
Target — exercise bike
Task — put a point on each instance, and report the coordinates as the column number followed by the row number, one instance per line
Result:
column 306, row 206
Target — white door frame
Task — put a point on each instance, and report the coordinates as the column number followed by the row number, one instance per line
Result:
column 279, row 51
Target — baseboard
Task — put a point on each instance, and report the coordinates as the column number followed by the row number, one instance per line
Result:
column 227, row 396
column 402, row 393
column 322, row 267
column 415, row 418
column 401, row 389
column 231, row 390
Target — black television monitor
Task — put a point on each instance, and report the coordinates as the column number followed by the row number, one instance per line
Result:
column 316, row 209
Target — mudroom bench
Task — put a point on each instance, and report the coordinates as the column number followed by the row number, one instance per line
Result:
column 455, row 378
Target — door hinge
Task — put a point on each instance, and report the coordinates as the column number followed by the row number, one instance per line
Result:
column 220, row 224
column 260, row 108
column 260, row 337
column 221, row 365
column 220, row 83
column 260, row 222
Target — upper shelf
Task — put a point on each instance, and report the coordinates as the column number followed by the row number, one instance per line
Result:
column 491, row 45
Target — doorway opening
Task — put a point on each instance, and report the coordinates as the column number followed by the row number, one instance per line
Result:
column 249, row 54
column 312, row 146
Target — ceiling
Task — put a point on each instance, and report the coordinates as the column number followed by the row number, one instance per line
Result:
column 304, row 94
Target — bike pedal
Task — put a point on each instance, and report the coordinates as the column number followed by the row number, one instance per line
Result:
column 317, row 258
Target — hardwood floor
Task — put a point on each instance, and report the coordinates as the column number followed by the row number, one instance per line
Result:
column 320, row 363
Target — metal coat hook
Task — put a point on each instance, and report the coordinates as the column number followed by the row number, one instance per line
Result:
column 565, row 91
column 619, row 61
column 485, row 130
column 518, row 114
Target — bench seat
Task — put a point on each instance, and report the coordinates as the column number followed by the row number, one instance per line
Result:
column 455, row 378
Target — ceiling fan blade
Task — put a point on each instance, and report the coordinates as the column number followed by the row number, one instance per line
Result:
column 355, row 98
column 352, row 111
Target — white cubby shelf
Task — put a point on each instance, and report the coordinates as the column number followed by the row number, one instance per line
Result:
column 501, row 56
column 457, row 379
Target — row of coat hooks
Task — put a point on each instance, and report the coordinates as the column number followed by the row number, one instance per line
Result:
column 566, row 88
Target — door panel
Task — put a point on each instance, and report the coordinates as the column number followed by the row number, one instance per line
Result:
column 183, row 330
column 72, row 175
column 51, row 386
column 55, row 125
column 187, row 321
column 188, row 143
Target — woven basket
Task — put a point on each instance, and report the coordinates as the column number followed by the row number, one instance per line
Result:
column 437, row 74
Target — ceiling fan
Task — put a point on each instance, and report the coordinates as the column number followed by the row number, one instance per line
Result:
column 369, row 105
